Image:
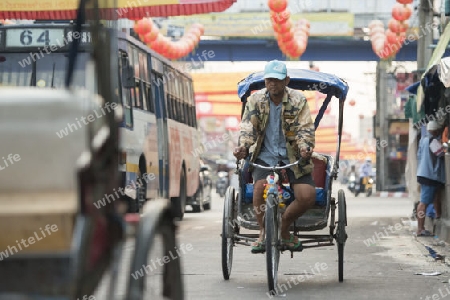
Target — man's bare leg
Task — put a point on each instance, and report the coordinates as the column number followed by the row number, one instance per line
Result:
column 258, row 202
column 421, row 208
column 437, row 202
column 305, row 197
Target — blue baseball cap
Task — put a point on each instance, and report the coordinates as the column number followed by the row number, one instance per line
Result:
column 275, row 69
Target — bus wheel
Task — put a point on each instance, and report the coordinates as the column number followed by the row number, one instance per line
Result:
column 133, row 205
column 141, row 190
column 179, row 203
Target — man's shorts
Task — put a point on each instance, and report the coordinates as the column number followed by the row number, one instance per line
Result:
column 259, row 174
column 427, row 193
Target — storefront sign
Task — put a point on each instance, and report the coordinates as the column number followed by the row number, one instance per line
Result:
column 259, row 24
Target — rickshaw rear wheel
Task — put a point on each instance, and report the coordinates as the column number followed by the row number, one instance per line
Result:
column 272, row 236
column 228, row 229
column 341, row 234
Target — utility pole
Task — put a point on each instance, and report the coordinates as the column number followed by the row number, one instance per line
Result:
column 381, row 123
column 425, row 37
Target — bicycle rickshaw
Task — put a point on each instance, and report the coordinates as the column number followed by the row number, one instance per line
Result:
column 238, row 207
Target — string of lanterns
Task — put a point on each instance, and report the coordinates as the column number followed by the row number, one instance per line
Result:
column 150, row 35
column 292, row 40
column 386, row 43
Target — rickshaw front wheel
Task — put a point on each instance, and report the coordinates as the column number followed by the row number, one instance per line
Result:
column 229, row 222
column 272, row 236
column 341, row 234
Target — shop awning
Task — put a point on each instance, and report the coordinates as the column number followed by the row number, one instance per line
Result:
column 66, row 10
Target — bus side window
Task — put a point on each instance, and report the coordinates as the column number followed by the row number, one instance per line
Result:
column 192, row 101
column 137, row 94
column 144, row 97
column 174, row 106
column 151, row 98
column 180, row 111
column 188, row 114
column 125, row 95
column 133, row 96
column 185, row 113
column 169, row 107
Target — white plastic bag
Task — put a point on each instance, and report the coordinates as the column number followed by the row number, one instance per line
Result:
column 436, row 147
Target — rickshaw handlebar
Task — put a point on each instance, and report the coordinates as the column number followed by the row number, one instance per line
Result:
column 275, row 167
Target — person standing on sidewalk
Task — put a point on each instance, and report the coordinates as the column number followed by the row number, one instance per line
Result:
column 430, row 173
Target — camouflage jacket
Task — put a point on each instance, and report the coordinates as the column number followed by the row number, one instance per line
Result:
column 297, row 124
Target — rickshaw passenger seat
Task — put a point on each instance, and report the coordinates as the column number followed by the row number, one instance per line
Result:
column 319, row 176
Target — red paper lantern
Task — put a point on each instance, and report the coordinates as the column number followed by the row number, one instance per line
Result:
column 146, row 25
column 304, row 23
column 282, row 28
column 280, row 17
column 286, row 36
column 401, row 12
column 389, row 49
column 277, row 5
column 405, row 1
column 376, row 23
column 200, row 27
column 151, row 36
column 291, row 45
column 391, row 37
column 165, row 44
column 397, row 26
column 378, row 44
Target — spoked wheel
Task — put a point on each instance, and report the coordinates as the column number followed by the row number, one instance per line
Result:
column 229, row 224
column 271, row 225
column 155, row 239
column 341, row 234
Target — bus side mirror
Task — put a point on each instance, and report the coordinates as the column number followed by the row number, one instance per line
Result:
column 127, row 74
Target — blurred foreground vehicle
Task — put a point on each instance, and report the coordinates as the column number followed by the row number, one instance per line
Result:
column 61, row 143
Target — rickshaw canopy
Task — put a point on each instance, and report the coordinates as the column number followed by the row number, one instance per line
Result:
column 300, row 79
column 305, row 80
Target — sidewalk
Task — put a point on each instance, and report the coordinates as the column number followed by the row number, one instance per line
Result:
column 433, row 247
column 391, row 194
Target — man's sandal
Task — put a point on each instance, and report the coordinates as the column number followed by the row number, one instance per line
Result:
column 258, row 247
column 290, row 244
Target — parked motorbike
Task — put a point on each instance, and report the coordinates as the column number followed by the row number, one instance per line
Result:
column 222, row 183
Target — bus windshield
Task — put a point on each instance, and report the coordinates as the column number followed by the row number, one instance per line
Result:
column 47, row 71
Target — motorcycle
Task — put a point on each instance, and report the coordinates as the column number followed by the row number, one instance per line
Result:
column 367, row 184
column 352, row 182
column 222, row 183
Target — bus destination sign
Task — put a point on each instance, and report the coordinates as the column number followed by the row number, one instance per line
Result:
column 33, row 37
column 51, row 38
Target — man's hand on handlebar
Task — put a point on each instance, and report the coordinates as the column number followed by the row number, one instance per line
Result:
column 240, row 152
column 306, row 152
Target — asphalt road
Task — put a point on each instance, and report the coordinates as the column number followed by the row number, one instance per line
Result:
column 381, row 259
